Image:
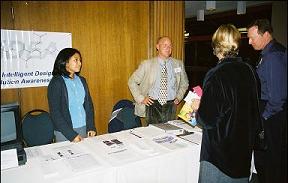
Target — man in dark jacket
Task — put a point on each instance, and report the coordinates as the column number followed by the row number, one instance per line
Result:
column 271, row 165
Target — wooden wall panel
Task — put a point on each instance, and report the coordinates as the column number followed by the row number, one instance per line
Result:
column 112, row 36
column 8, row 95
column 167, row 19
column 6, row 16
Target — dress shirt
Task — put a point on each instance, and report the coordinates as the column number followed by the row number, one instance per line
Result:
column 76, row 96
column 171, row 88
column 272, row 72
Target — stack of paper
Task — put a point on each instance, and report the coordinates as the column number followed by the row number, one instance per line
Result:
column 168, row 128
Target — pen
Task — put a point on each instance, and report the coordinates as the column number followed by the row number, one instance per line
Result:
column 135, row 134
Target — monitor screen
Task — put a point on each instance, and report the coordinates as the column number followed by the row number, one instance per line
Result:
column 8, row 127
column 10, row 124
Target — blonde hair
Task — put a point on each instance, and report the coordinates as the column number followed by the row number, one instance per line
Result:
column 226, row 40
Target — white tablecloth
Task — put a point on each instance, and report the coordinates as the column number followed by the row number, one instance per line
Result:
column 140, row 160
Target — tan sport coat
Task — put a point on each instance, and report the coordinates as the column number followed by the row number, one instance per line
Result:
column 143, row 79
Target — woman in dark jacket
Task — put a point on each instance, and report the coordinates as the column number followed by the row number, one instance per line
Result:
column 70, row 103
column 228, row 113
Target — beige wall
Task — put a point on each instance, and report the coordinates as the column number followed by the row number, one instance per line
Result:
column 113, row 38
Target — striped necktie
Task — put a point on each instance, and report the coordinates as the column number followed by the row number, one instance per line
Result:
column 163, row 86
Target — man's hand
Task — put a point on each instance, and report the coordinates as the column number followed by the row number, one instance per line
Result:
column 147, row 101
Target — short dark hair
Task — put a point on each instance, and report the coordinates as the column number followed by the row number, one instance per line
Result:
column 263, row 26
column 62, row 59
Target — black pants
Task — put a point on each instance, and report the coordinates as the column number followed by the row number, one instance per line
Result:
column 156, row 113
column 271, row 165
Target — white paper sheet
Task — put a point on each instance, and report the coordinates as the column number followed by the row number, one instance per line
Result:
column 191, row 95
column 182, row 124
column 82, row 162
column 195, row 138
column 147, row 132
column 33, row 152
column 9, row 159
column 144, row 146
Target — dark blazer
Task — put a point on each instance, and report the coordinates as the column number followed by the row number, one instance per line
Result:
column 229, row 115
column 59, row 108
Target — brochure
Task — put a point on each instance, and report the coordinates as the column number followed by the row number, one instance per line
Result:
column 187, row 113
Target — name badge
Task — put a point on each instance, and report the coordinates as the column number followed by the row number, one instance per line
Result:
column 178, row 69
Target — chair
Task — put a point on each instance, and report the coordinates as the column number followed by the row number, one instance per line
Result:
column 37, row 128
column 123, row 117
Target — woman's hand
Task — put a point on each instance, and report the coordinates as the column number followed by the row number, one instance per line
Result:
column 78, row 138
column 91, row 133
column 195, row 104
column 176, row 101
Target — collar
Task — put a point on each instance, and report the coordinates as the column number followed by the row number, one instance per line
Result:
column 162, row 61
column 229, row 59
column 267, row 47
column 70, row 79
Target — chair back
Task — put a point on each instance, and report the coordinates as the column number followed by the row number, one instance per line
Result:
column 37, row 128
column 123, row 117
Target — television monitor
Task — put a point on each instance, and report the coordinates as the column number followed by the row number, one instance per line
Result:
column 11, row 133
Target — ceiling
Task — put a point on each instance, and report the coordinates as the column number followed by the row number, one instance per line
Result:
column 191, row 7
column 213, row 21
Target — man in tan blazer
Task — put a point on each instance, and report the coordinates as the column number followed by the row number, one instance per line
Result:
column 145, row 85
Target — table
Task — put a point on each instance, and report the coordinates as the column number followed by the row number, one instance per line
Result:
column 144, row 155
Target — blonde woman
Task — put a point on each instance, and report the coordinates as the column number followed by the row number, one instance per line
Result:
column 228, row 112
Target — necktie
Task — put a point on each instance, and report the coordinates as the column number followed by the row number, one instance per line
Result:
column 163, row 86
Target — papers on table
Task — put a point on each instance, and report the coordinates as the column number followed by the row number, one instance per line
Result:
column 147, row 132
column 194, row 138
column 33, row 152
column 82, row 162
column 9, row 159
column 168, row 128
column 61, row 152
column 111, row 144
column 185, row 126
column 145, row 146
column 114, row 149
column 93, row 159
column 193, row 134
column 169, row 141
column 65, row 156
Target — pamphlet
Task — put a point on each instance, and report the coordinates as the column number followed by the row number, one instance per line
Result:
column 169, row 141
column 187, row 113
